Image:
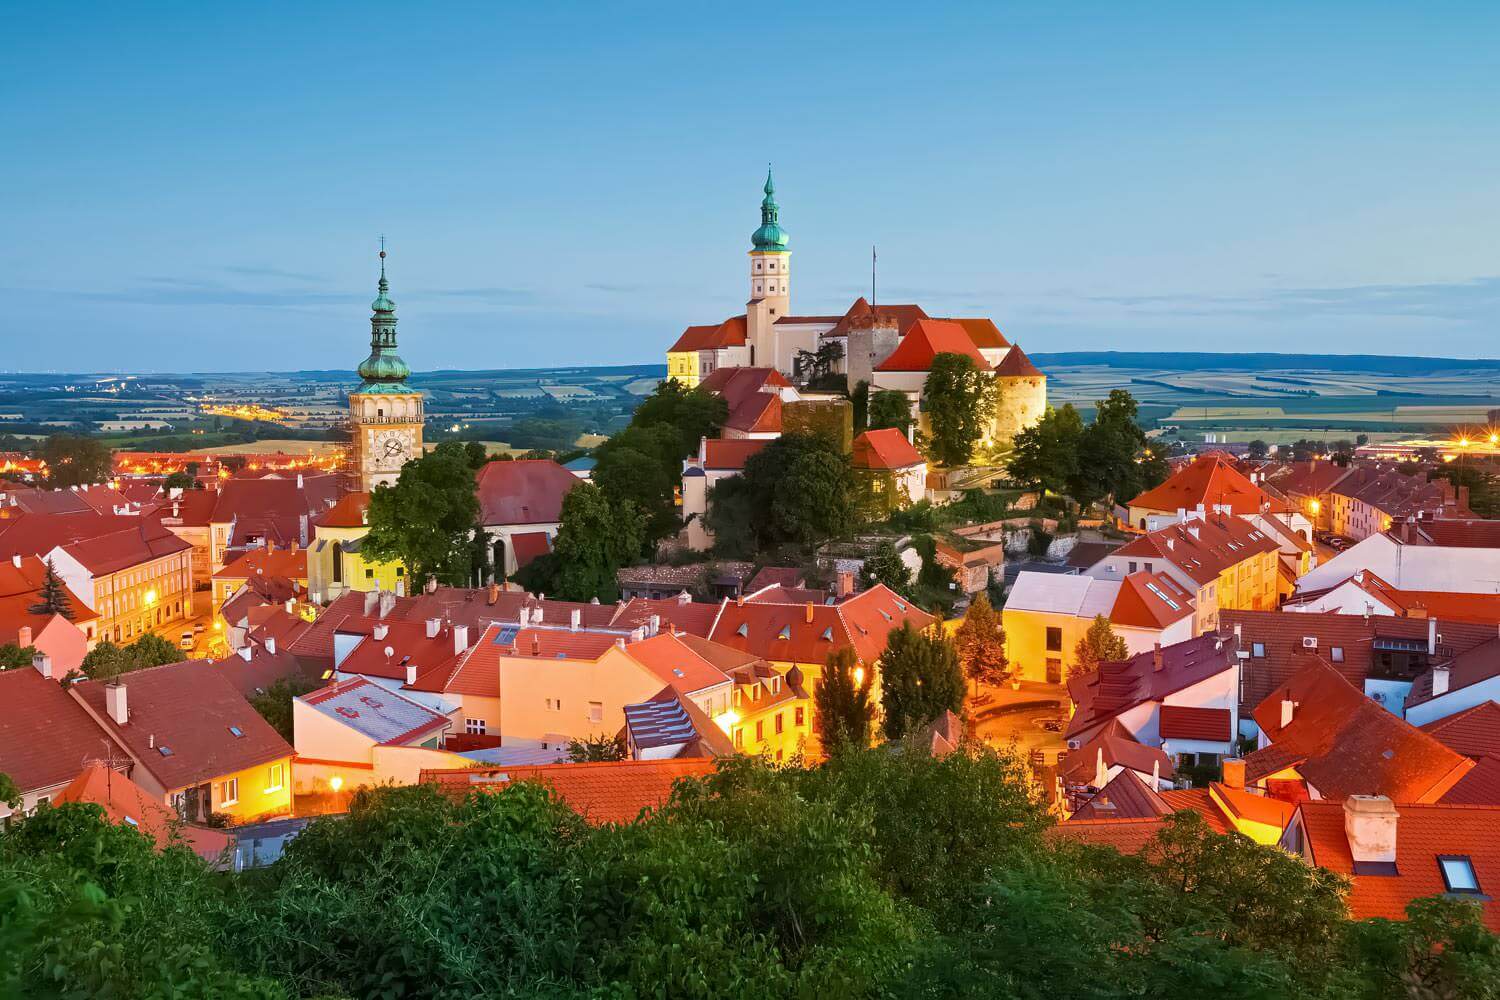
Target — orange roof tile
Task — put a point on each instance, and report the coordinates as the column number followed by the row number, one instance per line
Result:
column 603, row 792
column 926, row 339
column 676, row 663
column 730, row 453
column 351, row 511
column 1185, row 722
column 1208, row 480
column 524, row 491
column 123, row 801
column 1474, row 732
column 1145, row 600
column 291, row 564
column 886, row 448
column 730, row 333
column 1016, row 364
column 982, row 331
column 46, row 736
column 1202, row 548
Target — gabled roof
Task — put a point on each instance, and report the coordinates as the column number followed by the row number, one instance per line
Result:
column 377, row 713
column 21, row 579
column 1117, row 748
column 1101, row 695
column 886, row 448
column 408, row 644
column 1423, row 834
column 603, row 792
column 673, row 614
column 524, row 491
column 1150, row 601
column 125, row 802
column 1125, row 796
column 1462, row 533
column 730, row 454
column 1202, row 548
column 290, row 564
column 135, row 545
column 1480, row 787
column 926, row 339
column 46, row 736
column 670, row 718
column 730, row 333
column 178, row 723
column 1481, row 663
column 1344, row 744
column 806, row 633
column 676, row 664
column 1016, row 364
column 1210, row 480
column 1474, row 732
column 1310, row 479
column 1128, row 836
column 862, row 314
column 981, row 330
column 351, row 511
column 1185, row 722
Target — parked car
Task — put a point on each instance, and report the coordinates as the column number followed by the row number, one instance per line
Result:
column 186, row 642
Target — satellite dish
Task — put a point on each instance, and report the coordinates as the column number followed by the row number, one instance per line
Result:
column 389, row 652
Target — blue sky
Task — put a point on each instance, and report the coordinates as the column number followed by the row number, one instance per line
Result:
column 200, row 187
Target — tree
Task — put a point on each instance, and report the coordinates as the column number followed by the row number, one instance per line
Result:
column 595, row 538
column 845, row 713
column 1114, row 459
column 600, row 747
column 275, row 703
column 648, row 481
column 14, row 656
column 10, row 793
column 799, row 488
column 1098, row 645
column 427, row 520
column 107, row 661
column 859, row 398
column 181, row 480
column 981, row 644
column 1045, row 455
column 960, row 400
column 815, row 367
column 52, row 599
column 1259, row 448
column 920, row 678
column 889, row 408
column 694, row 413
column 886, row 567
column 74, row 460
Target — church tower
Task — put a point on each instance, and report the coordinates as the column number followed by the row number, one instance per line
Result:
column 384, row 412
column 770, row 281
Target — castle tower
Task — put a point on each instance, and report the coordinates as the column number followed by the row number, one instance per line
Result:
column 385, row 413
column 770, row 281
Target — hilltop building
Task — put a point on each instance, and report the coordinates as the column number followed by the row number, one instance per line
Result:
column 384, row 412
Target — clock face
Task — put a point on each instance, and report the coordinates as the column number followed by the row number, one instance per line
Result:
column 390, row 449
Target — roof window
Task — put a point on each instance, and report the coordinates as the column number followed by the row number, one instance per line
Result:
column 236, row 731
column 743, row 630
column 1458, row 873
column 1258, row 649
column 785, row 633
column 164, row 750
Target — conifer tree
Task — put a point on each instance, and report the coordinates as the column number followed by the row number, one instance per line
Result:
column 52, row 599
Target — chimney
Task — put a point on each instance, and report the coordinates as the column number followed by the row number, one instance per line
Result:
column 460, row 638
column 1237, row 635
column 494, row 593
column 1432, row 637
column 15, row 560
column 114, row 703
column 271, row 644
column 1156, row 659
column 433, row 624
column 684, row 598
column 299, row 481
column 1439, row 681
column 1288, row 709
column 1193, row 530
column 245, row 652
column 843, row 584
column 302, row 529
column 43, row 664
column 411, row 674
column 1234, row 772
column 380, row 631
column 536, row 645
column 387, row 603
column 1370, row 825
column 176, row 509
column 653, row 624
column 372, row 599
column 1182, row 513
column 575, row 621
column 23, row 636
column 809, row 612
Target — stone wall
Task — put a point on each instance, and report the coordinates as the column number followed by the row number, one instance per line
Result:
column 1023, row 401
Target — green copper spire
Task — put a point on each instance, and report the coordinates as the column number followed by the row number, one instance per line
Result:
column 383, row 370
column 770, row 237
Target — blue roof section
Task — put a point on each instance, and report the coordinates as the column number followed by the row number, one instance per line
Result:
column 659, row 724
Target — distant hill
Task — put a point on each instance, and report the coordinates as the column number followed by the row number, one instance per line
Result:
column 1202, row 361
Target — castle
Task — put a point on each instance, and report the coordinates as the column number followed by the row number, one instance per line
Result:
column 884, row 346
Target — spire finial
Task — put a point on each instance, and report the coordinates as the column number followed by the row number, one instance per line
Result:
column 770, row 185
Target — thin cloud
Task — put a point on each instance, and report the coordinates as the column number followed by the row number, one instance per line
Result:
column 1463, row 301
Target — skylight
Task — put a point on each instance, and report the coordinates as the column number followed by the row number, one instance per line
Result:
column 236, row 731
column 1458, row 873
column 164, row 750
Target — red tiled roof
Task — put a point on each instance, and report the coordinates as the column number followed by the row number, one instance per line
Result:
column 1118, row 747
column 527, row 545
column 350, row 512
column 1128, row 836
column 1456, row 533
column 1125, row 796
column 525, row 491
column 1309, row 479
column 1349, row 745
column 20, row 588
column 886, row 448
column 409, row 645
column 676, row 663
column 1423, row 833
column 193, row 509
column 1183, row 722
column 1145, row 601
column 1208, row 480
column 136, row 545
column 692, row 617
column 123, row 801
column 861, row 314
column 926, row 339
column 1200, row 801
column 1102, row 694
column 752, row 395
column 45, row 736
column 1480, row 787
column 730, row 453
column 1016, row 364
column 730, row 333
column 289, row 564
column 188, row 708
column 276, row 498
column 1472, row 666
column 807, row 633
column 1474, row 732
column 604, row 792
column 1202, row 548
column 981, row 331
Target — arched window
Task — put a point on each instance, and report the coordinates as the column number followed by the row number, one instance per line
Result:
column 338, row 563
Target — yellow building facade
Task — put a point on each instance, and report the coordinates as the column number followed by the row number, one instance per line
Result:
column 335, row 560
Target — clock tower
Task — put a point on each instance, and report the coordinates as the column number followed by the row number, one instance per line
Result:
column 385, row 413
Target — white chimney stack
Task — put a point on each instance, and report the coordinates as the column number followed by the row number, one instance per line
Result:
column 15, row 560
column 1432, row 637
column 271, row 644
column 114, row 703
column 372, row 600
column 433, row 624
column 411, row 674
column 380, row 631
column 1439, row 681
column 1370, row 825
column 460, row 638
column 1288, row 709
column 577, row 620
column 653, row 624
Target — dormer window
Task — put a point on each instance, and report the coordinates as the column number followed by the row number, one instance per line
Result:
column 743, row 630
column 785, row 633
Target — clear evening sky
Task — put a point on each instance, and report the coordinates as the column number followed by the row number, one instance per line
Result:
column 201, row 186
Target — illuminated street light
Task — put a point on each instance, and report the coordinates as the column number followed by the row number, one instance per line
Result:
column 335, row 783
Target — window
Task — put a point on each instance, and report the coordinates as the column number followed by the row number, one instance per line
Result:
column 369, row 574
column 475, row 727
column 1130, row 566
column 739, row 739
column 229, row 792
column 596, row 711
column 274, row 777
column 760, row 730
column 1054, row 670
column 779, row 721
column 797, row 718
column 1054, row 639
column 1458, row 873
column 1336, row 654
column 554, row 704
column 1258, row 650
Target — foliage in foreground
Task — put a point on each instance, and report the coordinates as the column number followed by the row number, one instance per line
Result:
column 882, row 874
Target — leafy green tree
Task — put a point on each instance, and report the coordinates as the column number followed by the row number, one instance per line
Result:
column 694, row 413
column 477, row 454
column 275, row 703
column 960, row 401
column 859, row 398
column 733, row 509
column 52, row 599
column 1098, row 645
column 1114, row 460
column 844, row 710
column 885, row 567
column 106, row 661
column 889, row 408
column 14, row 656
column 1258, row 448
column 75, row 460
column 182, row 480
column 981, row 644
column 799, row 488
column 427, row 520
column 595, row 538
column 10, row 792
column 646, row 480
column 1045, row 455
column 600, row 747
column 920, row 678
